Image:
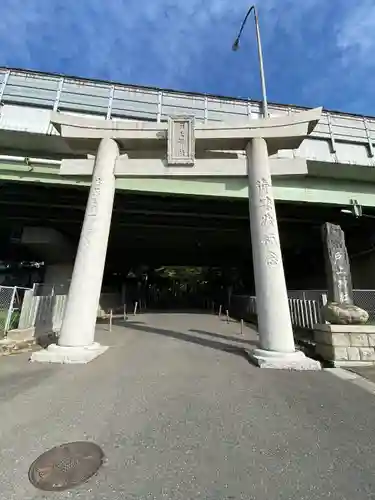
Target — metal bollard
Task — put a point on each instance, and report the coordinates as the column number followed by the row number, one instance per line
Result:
column 227, row 314
column 220, row 309
column 110, row 320
column 241, row 326
column 124, row 312
column 135, row 308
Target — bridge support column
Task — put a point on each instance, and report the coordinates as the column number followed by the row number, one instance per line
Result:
column 76, row 342
column 277, row 349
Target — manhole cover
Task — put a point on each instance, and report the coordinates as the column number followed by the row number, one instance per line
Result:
column 66, row 466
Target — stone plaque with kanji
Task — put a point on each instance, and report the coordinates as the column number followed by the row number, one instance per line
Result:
column 337, row 265
column 181, row 142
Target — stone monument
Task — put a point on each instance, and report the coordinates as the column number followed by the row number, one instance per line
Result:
column 340, row 309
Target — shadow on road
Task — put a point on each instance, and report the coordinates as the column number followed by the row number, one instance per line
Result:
column 230, row 346
column 166, row 310
column 225, row 337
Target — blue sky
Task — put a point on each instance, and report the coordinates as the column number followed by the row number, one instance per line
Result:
column 317, row 52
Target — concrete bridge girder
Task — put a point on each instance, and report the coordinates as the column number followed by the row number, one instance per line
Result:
column 57, row 252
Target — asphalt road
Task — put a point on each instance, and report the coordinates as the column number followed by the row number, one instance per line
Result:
column 181, row 414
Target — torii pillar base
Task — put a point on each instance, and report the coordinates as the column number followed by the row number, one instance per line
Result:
column 68, row 355
column 296, row 361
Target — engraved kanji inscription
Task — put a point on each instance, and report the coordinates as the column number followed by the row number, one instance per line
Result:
column 181, row 142
column 263, row 187
column 272, row 259
column 337, row 265
column 342, row 284
column 93, row 203
column 269, row 239
column 267, row 219
column 266, row 202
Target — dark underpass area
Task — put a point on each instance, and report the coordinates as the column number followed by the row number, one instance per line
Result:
column 168, row 252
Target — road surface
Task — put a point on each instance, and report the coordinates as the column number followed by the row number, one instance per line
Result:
column 181, row 414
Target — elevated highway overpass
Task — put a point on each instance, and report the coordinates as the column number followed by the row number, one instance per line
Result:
column 341, row 147
column 157, row 211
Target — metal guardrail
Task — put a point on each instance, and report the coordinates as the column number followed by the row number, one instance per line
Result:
column 116, row 100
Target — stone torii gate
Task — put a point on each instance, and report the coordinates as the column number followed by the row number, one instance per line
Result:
column 182, row 147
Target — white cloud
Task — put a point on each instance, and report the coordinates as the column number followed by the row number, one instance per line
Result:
column 356, row 32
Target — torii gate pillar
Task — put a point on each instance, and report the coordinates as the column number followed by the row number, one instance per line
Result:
column 277, row 349
column 76, row 341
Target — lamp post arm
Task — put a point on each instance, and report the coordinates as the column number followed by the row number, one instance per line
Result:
column 261, row 66
column 260, row 55
column 252, row 8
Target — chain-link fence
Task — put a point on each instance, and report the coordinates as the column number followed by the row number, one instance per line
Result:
column 366, row 300
column 6, row 302
column 11, row 298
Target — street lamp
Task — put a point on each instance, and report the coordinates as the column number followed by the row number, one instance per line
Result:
column 351, row 212
column 236, row 46
column 356, row 210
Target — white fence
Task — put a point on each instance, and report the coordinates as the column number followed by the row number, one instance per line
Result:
column 364, row 298
column 43, row 307
column 304, row 312
column 44, row 312
column 305, row 305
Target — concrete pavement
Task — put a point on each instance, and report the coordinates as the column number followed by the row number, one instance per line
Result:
column 181, row 414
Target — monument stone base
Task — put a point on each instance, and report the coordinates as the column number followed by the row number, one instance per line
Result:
column 344, row 314
column 296, row 361
column 68, row 355
column 346, row 345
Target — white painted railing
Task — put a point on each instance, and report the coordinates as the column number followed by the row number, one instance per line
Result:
column 305, row 305
column 304, row 313
column 43, row 309
column 44, row 312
